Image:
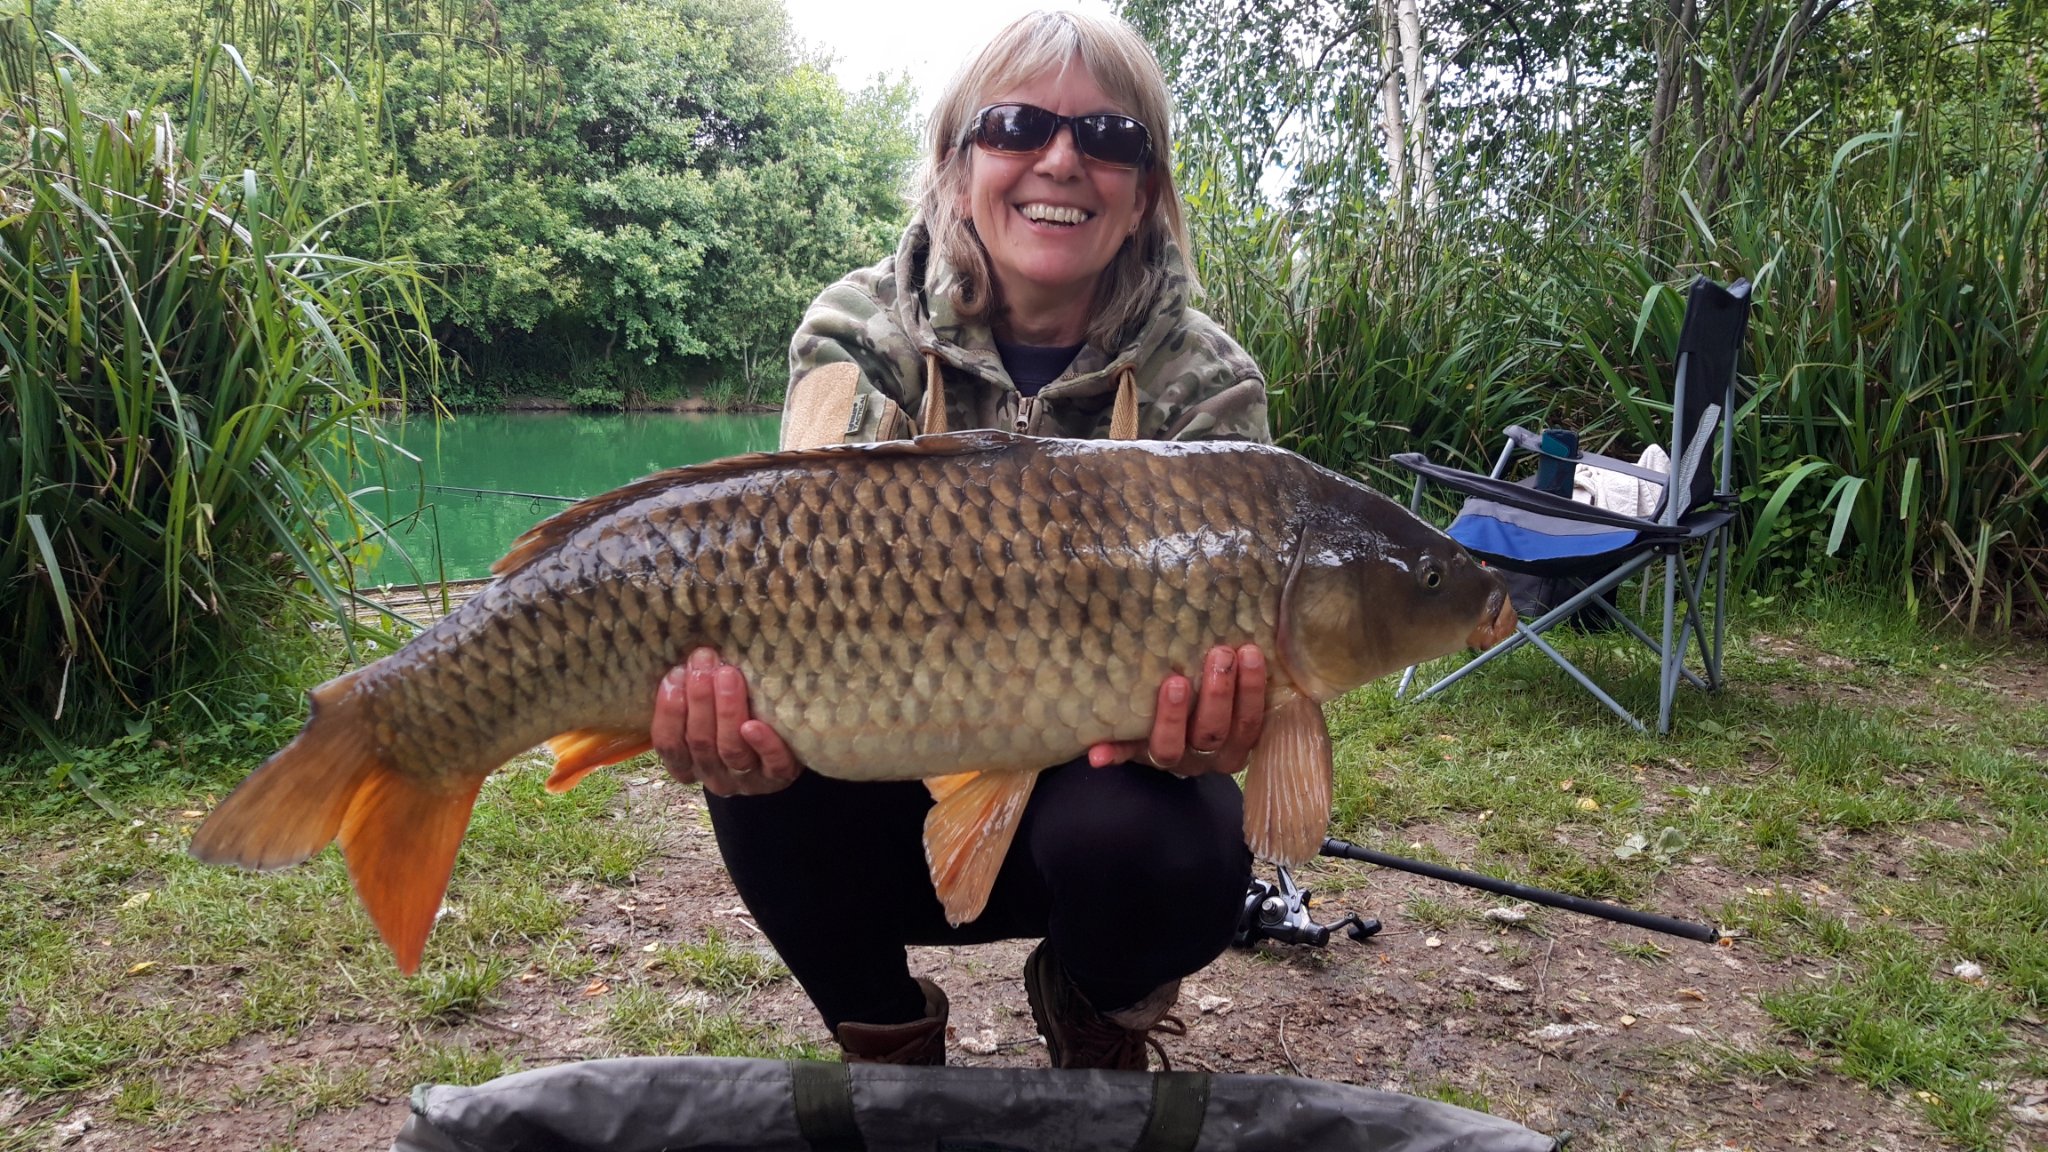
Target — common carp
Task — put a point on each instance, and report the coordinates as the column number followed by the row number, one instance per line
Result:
column 969, row 607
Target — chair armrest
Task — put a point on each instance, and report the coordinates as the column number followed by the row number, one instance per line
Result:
column 1610, row 464
column 1529, row 441
column 1526, row 498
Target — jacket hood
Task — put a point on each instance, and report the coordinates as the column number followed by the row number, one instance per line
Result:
column 923, row 307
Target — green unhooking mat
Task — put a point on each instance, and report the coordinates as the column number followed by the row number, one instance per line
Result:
column 703, row 1102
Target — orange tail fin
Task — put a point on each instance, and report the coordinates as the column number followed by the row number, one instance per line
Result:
column 400, row 837
column 399, row 832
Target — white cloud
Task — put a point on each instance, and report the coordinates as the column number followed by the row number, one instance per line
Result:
column 925, row 39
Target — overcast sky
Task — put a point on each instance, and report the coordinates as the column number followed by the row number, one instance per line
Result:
column 927, row 39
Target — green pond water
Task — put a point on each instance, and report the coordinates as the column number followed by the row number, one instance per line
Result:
column 450, row 512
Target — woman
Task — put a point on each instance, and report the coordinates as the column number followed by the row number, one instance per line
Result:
column 1040, row 288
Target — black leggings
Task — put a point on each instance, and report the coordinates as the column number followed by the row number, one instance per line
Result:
column 1136, row 876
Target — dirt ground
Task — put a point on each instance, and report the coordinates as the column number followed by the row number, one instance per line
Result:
column 1544, row 1023
column 1549, row 1022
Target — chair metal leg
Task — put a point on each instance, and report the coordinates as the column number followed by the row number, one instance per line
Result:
column 1572, row 604
column 1678, row 634
column 1648, row 641
column 1498, row 650
column 1719, row 542
column 1667, row 681
column 1527, row 634
column 1695, row 587
column 1415, row 506
column 1585, row 681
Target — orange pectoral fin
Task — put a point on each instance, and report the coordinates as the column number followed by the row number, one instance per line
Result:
column 1287, row 787
column 400, row 837
column 967, row 834
column 579, row 753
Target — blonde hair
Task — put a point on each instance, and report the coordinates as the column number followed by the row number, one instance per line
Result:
column 1121, row 63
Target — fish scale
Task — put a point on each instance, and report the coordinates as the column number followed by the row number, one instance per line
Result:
column 1090, row 583
column 969, row 609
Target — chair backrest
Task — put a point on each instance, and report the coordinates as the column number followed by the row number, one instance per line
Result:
column 1709, row 346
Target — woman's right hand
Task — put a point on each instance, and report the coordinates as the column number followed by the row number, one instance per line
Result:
column 705, row 732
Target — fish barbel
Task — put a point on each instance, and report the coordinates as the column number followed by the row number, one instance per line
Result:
column 970, row 608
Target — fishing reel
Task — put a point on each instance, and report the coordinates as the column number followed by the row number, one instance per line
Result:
column 1279, row 911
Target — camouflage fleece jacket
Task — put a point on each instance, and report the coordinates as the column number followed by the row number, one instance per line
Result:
column 1193, row 381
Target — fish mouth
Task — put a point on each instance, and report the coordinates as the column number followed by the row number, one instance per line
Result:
column 1498, row 625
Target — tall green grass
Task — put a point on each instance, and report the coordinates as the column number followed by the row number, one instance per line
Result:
column 1904, row 361
column 175, row 350
column 1894, row 420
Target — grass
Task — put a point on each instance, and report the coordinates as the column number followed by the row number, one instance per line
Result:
column 647, row 1021
column 454, row 991
column 1435, row 915
column 1853, row 749
column 1644, row 950
column 456, row 1064
column 107, row 926
column 1451, row 1093
column 311, row 1090
column 717, row 966
column 1715, row 1063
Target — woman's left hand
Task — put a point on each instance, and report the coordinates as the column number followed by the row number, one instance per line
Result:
column 1213, row 731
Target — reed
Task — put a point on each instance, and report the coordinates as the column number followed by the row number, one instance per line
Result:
column 178, row 361
column 1894, row 419
column 1903, row 372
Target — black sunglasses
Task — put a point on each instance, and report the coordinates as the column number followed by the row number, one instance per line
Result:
column 1104, row 137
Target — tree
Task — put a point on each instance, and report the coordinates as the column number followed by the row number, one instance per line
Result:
column 640, row 193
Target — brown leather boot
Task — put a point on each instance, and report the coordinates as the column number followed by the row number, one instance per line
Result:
column 1078, row 1036
column 918, row 1042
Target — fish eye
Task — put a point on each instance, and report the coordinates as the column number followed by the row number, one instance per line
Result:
column 1432, row 576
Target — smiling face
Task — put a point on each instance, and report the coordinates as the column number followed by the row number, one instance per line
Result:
column 1052, row 220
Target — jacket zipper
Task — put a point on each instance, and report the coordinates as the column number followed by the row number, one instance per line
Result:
column 1027, row 406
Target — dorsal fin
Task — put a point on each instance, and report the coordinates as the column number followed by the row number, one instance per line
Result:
column 543, row 537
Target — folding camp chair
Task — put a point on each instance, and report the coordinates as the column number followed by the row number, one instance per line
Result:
column 1513, row 526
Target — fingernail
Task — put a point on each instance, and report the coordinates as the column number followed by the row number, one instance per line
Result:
column 674, row 679
column 1176, row 691
column 1253, row 658
column 703, row 658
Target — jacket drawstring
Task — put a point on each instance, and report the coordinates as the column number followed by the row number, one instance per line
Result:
column 1123, row 419
column 932, row 419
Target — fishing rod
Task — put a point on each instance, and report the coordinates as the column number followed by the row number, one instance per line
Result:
column 503, row 492
column 1344, row 849
column 1280, row 911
